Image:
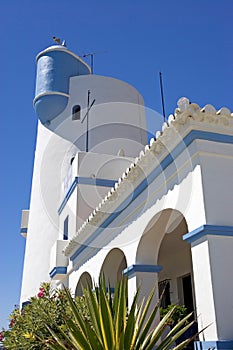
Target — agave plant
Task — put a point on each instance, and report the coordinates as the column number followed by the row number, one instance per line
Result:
column 111, row 326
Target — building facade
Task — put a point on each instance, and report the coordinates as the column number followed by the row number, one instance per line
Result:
column 105, row 201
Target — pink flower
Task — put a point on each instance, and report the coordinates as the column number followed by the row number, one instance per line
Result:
column 12, row 322
column 1, row 336
column 40, row 294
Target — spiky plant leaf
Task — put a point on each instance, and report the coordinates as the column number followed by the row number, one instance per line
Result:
column 132, row 326
column 120, row 312
column 106, row 320
column 153, row 336
column 92, row 300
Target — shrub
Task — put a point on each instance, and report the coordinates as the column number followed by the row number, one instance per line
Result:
column 27, row 328
column 96, row 321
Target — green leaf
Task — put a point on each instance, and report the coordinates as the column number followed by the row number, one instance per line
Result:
column 78, row 337
column 157, row 332
column 143, row 335
column 59, row 344
column 120, row 311
column 106, row 320
column 131, row 327
column 93, row 308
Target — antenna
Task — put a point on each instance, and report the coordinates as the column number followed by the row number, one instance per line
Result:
column 87, row 116
column 92, row 54
column 161, row 89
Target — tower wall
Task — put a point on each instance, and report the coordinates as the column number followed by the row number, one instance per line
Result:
column 116, row 126
column 43, row 225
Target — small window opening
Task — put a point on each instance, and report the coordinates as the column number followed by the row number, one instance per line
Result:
column 164, row 287
column 72, row 159
column 76, row 112
column 66, row 228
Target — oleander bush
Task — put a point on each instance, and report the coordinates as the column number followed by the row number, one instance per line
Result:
column 27, row 328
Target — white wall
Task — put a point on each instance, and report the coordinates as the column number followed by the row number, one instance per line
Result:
column 212, row 267
column 217, row 175
column 43, row 219
column 116, row 120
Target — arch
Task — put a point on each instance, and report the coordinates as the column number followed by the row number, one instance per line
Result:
column 175, row 258
column 164, row 222
column 162, row 244
column 113, row 265
column 84, row 280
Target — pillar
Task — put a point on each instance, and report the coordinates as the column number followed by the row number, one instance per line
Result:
column 212, row 256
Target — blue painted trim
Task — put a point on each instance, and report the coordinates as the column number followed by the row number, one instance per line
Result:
column 96, row 182
column 25, row 303
column 208, row 230
column 24, row 230
column 168, row 160
column 85, row 181
column 58, row 270
column 67, row 196
column 214, row 345
column 141, row 268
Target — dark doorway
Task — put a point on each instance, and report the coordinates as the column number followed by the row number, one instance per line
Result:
column 187, row 293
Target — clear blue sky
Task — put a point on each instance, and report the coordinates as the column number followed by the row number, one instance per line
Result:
column 190, row 41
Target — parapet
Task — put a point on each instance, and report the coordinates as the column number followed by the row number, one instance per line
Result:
column 55, row 66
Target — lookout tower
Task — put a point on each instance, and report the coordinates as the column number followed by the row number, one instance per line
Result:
column 69, row 178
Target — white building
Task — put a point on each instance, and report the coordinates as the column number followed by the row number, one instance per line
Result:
column 163, row 216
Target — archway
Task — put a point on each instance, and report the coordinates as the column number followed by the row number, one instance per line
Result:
column 162, row 247
column 174, row 256
column 84, row 281
column 113, row 265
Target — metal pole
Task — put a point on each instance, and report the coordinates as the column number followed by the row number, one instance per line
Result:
column 87, row 116
column 161, row 89
column 92, row 62
column 88, row 102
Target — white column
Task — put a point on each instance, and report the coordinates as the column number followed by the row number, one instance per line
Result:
column 145, row 276
column 212, row 256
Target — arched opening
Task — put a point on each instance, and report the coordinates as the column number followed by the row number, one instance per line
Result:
column 113, row 266
column 84, row 281
column 76, row 112
column 175, row 258
column 162, row 245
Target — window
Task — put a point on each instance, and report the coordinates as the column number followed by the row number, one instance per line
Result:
column 164, row 287
column 66, row 228
column 76, row 112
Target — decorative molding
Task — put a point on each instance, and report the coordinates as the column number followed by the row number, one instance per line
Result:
column 49, row 93
column 204, row 230
column 79, row 180
column 58, row 270
column 214, row 345
column 131, row 270
column 24, row 230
